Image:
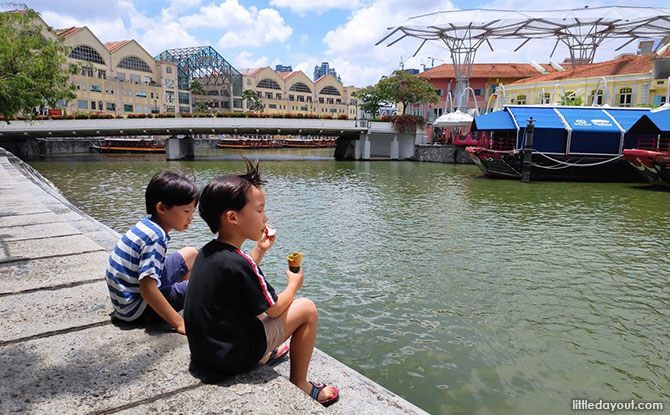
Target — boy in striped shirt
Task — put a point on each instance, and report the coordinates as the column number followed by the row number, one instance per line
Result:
column 144, row 284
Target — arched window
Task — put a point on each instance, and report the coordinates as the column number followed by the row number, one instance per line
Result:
column 598, row 99
column 329, row 90
column 86, row 53
column 134, row 63
column 625, row 97
column 300, row 87
column 269, row 84
column 521, row 99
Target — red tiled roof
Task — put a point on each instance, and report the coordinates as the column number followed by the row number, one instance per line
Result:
column 251, row 71
column 320, row 78
column 287, row 75
column 112, row 46
column 67, row 32
column 631, row 64
column 487, row 70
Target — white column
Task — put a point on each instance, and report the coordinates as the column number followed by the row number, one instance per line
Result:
column 395, row 148
column 173, row 149
column 358, row 145
column 366, row 148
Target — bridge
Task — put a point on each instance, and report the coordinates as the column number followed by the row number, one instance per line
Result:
column 357, row 139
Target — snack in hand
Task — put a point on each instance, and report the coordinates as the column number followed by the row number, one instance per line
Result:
column 294, row 260
column 271, row 231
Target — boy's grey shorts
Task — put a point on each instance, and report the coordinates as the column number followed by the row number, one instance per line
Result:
column 274, row 332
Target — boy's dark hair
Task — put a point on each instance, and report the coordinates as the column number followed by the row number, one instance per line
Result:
column 227, row 192
column 171, row 187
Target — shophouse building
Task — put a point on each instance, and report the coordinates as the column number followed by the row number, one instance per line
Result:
column 626, row 81
column 116, row 77
column 484, row 79
column 293, row 92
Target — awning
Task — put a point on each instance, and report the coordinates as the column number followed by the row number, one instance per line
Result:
column 494, row 121
column 661, row 119
column 550, row 133
column 453, row 119
column 593, row 131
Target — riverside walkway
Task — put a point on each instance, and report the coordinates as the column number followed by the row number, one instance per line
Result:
column 60, row 353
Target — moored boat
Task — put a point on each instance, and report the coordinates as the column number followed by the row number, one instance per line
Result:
column 651, row 156
column 129, row 145
column 570, row 143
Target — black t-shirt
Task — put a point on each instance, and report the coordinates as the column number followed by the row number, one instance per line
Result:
column 225, row 293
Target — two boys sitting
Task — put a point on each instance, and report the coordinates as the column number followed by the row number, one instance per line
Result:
column 233, row 317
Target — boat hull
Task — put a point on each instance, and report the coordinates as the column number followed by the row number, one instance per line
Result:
column 127, row 150
column 508, row 165
column 654, row 166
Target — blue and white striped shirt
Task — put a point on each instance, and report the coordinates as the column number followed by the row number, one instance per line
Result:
column 140, row 253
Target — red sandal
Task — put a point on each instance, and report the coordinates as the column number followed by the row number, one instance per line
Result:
column 317, row 388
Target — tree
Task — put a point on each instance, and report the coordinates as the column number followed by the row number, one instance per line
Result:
column 32, row 71
column 197, row 88
column 201, row 107
column 371, row 99
column 253, row 102
column 406, row 88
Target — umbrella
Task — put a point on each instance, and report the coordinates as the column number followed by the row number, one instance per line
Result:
column 453, row 119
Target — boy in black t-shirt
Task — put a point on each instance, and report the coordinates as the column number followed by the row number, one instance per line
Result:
column 233, row 316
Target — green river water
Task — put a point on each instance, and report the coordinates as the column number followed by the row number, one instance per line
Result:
column 463, row 295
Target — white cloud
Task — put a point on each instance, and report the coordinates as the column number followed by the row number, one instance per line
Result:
column 243, row 26
column 353, row 43
column 245, row 59
column 167, row 35
column 318, row 6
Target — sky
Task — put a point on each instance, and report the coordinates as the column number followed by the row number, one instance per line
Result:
column 304, row 33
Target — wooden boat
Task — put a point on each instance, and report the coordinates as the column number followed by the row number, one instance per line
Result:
column 570, row 143
column 249, row 143
column 129, row 145
column 651, row 156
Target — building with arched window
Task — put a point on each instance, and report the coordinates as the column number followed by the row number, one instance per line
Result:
column 117, row 77
column 294, row 92
column 627, row 81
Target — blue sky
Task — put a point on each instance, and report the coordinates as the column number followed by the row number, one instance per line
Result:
column 301, row 33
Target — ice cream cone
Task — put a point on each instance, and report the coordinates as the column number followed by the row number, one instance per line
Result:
column 294, row 261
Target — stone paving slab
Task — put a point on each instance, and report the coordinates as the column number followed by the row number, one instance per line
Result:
column 29, row 314
column 257, row 399
column 115, row 368
column 48, row 247
column 325, row 369
column 43, row 230
column 49, row 272
column 30, row 219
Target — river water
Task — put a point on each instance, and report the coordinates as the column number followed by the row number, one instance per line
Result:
column 461, row 294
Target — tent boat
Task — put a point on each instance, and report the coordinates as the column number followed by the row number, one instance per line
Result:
column 129, row 145
column 569, row 143
column 651, row 157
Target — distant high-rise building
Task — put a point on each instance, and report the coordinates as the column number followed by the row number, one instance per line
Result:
column 325, row 69
column 283, row 68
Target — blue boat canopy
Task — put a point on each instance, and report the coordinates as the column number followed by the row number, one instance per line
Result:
column 494, row 121
column 567, row 130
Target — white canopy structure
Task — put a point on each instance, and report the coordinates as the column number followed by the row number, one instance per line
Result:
column 581, row 30
column 453, row 119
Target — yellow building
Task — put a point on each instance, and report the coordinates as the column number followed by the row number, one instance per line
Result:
column 632, row 80
column 117, row 77
column 295, row 93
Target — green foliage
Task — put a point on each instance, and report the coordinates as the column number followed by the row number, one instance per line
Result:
column 574, row 102
column 197, row 88
column 253, row 102
column 31, row 65
column 406, row 88
column 371, row 99
column 201, row 107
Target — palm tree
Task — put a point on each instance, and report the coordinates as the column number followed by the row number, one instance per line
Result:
column 253, row 102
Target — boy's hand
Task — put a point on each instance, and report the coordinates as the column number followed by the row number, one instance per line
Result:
column 266, row 241
column 295, row 278
column 181, row 328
